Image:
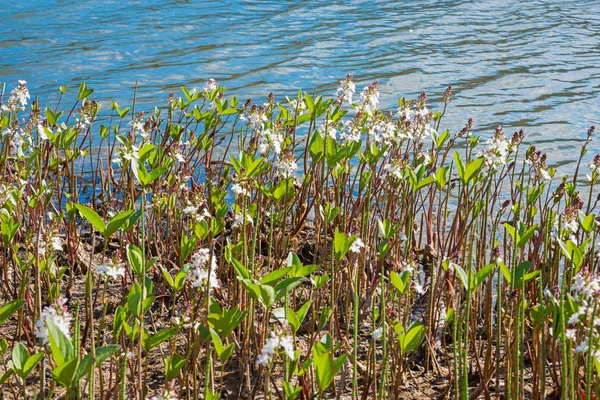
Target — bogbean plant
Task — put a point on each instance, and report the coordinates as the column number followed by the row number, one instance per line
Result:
column 305, row 247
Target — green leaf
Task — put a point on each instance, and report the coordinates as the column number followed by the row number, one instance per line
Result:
column 316, row 147
column 9, row 309
column 61, row 347
column 5, row 377
column 267, row 295
column 173, row 365
column 341, row 244
column 116, row 222
column 481, row 275
column 167, row 276
column 460, row 166
column 92, row 217
column 462, row 275
column 400, row 282
column 31, row 363
column 84, row 91
column 160, row 337
column 506, row 272
column 413, row 337
column 274, row 276
column 241, row 270
column 135, row 258
column 102, row 353
column 524, row 236
column 324, row 317
column 20, row 355
column 152, row 175
column 473, row 168
column 9, row 230
column 65, row 372
column 303, row 311
column 285, row 286
column 587, row 222
column 134, row 299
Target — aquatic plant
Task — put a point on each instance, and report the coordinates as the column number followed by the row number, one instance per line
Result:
column 304, row 247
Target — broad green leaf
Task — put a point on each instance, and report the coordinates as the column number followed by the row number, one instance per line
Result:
column 31, row 363
column 160, row 337
column 61, row 347
column 460, row 165
column 274, row 276
column 116, row 222
column 9, row 309
column 413, row 337
column 65, row 372
column 135, row 258
column 92, row 216
column 20, row 355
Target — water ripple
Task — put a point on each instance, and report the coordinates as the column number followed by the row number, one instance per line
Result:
column 527, row 65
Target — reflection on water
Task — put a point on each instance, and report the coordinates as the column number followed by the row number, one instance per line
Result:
column 532, row 65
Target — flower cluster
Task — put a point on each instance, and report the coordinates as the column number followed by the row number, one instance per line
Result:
column 273, row 343
column 112, row 270
column 57, row 314
column 357, row 245
column 369, row 99
column 200, row 274
column 584, row 323
column 567, row 225
column 211, row 85
column 18, row 98
column 346, row 89
column 538, row 161
column 594, row 167
column 497, row 151
column 286, row 166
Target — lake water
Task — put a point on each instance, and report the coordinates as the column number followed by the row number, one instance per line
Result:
column 533, row 65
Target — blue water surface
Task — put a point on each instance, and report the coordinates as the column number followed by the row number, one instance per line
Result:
column 531, row 65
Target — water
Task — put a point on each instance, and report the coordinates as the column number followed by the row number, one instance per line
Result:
column 531, row 65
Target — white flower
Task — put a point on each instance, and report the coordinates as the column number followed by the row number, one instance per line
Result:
column 570, row 334
column 57, row 314
column 268, row 350
column 238, row 190
column 357, row 245
column 199, row 275
column 496, row 153
column 42, row 132
column 370, row 99
column 350, row 133
column 257, row 117
column 404, row 111
column 394, row 169
column 286, row 167
column 582, row 347
column 418, row 287
column 56, row 243
column 211, row 85
column 376, row 334
column 112, row 270
column 272, row 344
column 297, row 105
column 189, row 210
column 238, row 220
column 18, row 98
column 545, row 174
column 346, row 89
column 328, row 129
column 287, row 344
